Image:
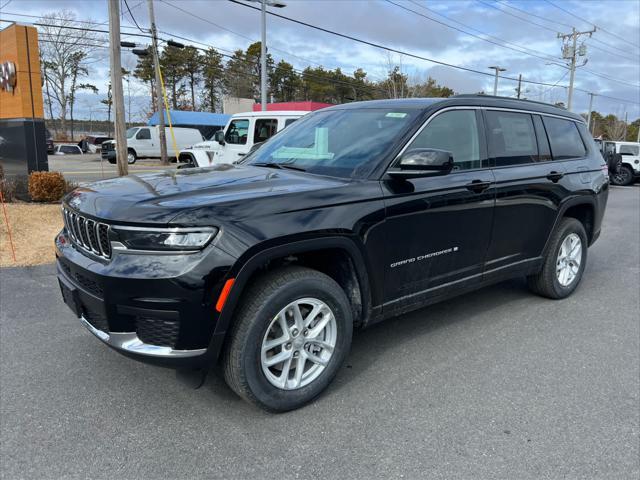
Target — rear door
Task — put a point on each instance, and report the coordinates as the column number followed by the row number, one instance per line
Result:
column 438, row 227
column 530, row 186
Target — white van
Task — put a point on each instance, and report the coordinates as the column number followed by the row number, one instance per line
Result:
column 240, row 134
column 144, row 142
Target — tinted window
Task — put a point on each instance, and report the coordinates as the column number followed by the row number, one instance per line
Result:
column 455, row 131
column 69, row 149
column 630, row 150
column 143, row 134
column 289, row 121
column 237, row 132
column 512, row 138
column 346, row 142
column 564, row 138
column 544, row 150
column 264, row 129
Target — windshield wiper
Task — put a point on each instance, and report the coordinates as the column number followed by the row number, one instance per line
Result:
column 279, row 166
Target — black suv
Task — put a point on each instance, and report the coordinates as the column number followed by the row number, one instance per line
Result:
column 351, row 215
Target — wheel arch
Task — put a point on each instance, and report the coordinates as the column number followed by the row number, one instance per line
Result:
column 582, row 209
column 353, row 278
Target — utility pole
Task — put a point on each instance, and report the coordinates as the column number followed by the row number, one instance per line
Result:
column 591, row 95
column 159, row 107
column 263, row 59
column 570, row 51
column 625, row 126
column 519, row 89
column 495, row 83
column 116, row 87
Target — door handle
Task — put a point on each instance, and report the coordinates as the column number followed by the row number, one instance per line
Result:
column 555, row 176
column 478, row 186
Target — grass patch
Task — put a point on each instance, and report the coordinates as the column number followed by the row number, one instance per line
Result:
column 34, row 228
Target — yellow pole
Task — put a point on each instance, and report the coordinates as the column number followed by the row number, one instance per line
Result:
column 166, row 107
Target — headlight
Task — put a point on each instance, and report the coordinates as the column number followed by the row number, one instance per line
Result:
column 169, row 239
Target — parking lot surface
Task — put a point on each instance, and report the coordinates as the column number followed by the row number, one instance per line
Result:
column 495, row 384
column 90, row 167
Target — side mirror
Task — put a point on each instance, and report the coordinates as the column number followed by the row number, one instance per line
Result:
column 420, row 162
column 219, row 137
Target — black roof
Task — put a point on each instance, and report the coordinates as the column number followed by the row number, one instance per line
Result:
column 462, row 100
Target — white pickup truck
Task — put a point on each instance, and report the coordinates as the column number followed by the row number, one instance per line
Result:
column 237, row 138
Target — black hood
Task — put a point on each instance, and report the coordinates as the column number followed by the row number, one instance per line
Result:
column 161, row 197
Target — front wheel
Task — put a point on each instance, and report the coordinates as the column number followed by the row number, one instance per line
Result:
column 131, row 157
column 289, row 338
column 564, row 261
column 624, row 176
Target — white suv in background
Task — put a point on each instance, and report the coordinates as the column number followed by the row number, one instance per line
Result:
column 630, row 154
column 241, row 133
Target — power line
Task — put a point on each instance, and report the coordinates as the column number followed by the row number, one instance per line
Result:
column 132, row 17
column 505, row 4
column 517, row 16
column 519, row 49
column 593, row 24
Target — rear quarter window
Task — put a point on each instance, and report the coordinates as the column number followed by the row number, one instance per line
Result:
column 564, row 138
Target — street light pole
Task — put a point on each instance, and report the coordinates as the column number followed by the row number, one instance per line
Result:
column 495, row 82
column 159, row 107
column 116, row 87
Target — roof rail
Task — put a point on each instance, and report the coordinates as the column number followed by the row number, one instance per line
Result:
column 482, row 95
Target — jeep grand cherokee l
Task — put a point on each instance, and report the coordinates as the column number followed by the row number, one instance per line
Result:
column 351, row 215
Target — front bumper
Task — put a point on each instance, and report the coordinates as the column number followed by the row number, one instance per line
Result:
column 158, row 309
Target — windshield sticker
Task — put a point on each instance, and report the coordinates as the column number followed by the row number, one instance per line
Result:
column 396, row 115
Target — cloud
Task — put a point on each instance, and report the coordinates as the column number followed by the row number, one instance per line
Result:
column 229, row 26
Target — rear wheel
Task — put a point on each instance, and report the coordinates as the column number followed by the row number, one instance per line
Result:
column 289, row 339
column 624, row 176
column 564, row 262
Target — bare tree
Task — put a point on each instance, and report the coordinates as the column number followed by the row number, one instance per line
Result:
column 64, row 55
column 614, row 129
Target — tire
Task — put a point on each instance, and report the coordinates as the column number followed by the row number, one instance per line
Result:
column 243, row 364
column 623, row 177
column 112, row 161
column 131, row 157
column 549, row 282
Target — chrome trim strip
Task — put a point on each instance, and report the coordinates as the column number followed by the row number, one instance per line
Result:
column 472, row 107
column 129, row 342
column 120, row 248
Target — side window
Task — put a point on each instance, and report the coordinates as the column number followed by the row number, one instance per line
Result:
column 512, row 138
column 289, row 121
column 633, row 150
column 143, row 134
column 564, row 138
column 543, row 141
column 237, row 132
column 455, row 131
column 265, row 128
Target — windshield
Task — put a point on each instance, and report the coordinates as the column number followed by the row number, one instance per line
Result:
column 131, row 132
column 343, row 143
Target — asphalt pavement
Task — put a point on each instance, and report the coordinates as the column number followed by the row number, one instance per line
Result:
column 495, row 384
column 90, row 167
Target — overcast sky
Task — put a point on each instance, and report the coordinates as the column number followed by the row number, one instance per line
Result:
column 530, row 25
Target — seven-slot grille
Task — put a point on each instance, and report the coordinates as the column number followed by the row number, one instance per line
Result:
column 92, row 236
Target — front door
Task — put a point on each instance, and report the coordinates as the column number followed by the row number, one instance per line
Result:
column 235, row 141
column 438, row 227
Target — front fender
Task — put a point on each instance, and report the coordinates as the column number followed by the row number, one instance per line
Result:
column 245, row 269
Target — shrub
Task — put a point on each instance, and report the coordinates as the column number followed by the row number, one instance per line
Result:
column 47, row 186
column 8, row 189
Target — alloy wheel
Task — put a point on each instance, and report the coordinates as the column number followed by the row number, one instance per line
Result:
column 569, row 259
column 298, row 344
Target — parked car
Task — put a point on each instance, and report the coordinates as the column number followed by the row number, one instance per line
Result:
column 94, row 144
column 67, row 149
column 144, row 142
column 353, row 214
column 238, row 137
column 49, row 142
column 629, row 157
